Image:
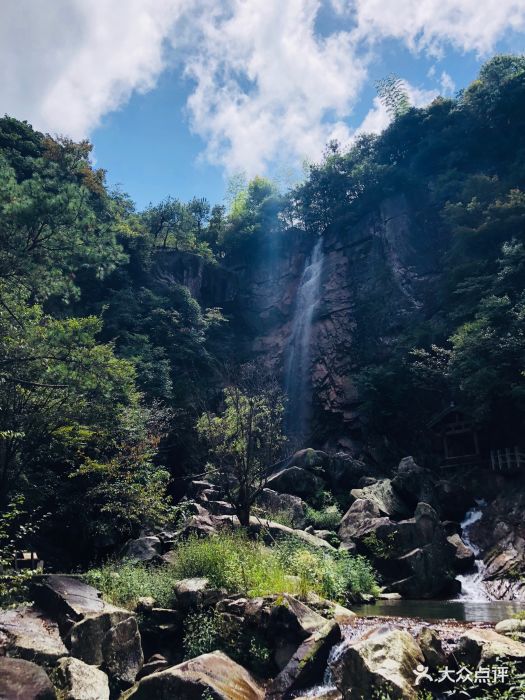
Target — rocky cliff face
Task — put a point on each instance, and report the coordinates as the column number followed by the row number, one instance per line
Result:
column 377, row 277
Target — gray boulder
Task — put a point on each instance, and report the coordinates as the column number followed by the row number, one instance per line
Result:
column 382, row 662
column 361, row 519
column 308, row 663
column 382, row 494
column 142, row 550
column 122, row 652
column 296, row 481
column 215, row 674
column 486, row 647
column 79, row 681
column 432, row 648
column 309, row 458
column 512, row 628
column 24, row 680
column 292, row 506
column 31, row 635
column 195, row 593
column 66, row 599
column 85, row 639
column 464, row 557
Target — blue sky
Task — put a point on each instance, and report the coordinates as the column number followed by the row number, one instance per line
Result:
column 178, row 95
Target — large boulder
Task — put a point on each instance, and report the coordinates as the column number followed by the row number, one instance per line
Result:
column 381, row 662
column 512, row 628
column 142, row 550
column 381, row 494
column 308, row 664
column 311, row 459
column 79, row 681
column 425, row 558
column 296, row 481
column 122, row 652
column 344, row 471
column 430, row 644
column 292, row 507
column 486, row 647
column 267, row 529
column 66, row 599
column 414, row 483
column 24, row 680
column 282, row 623
column 31, row 635
column 85, row 639
column 215, row 674
column 361, row 519
column 464, row 557
column 195, row 593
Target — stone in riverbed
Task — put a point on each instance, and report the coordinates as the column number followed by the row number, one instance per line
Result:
column 486, row 647
column 385, row 498
column 464, row 557
column 382, row 661
column 31, row 635
column 215, row 673
column 24, row 680
column 79, row 681
column 431, row 647
column 512, row 628
column 308, row 663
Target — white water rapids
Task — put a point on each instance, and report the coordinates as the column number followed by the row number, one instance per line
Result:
column 472, row 587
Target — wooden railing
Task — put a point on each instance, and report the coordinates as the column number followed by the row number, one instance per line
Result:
column 508, row 459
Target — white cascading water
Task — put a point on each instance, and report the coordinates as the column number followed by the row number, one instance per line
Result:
column 472, row 587
column 297, row 363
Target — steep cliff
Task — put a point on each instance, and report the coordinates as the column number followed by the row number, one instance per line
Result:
column 377, row 277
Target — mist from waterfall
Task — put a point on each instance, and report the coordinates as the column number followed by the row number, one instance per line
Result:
column 297, row 376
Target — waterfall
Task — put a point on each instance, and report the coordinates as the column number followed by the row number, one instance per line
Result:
column 472, row 588
column 297, row 375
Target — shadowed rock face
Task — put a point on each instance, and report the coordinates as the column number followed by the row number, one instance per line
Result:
column 376, row 278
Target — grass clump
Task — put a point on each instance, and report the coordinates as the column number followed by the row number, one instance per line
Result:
column 123, row 583
column 327, row 518
column 233, row 561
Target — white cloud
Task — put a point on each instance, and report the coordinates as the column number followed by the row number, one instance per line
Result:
column 66, row 63
column 448, row 86
column 431, row 25
column 266, row 86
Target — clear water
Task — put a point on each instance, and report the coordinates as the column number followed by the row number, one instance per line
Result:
column 298, row 358
column 462, row 610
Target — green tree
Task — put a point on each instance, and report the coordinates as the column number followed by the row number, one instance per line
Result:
column 245, row 438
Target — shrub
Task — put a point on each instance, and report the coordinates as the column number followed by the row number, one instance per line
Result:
column 123, row 583
column 201, row 634
column 328, row 518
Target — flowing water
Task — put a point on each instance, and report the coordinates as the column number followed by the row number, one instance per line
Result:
column 298, row 358
column 472, row 587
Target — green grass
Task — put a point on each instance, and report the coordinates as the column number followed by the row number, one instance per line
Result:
column 123, row 583
column 327, row 518
column 240, row 565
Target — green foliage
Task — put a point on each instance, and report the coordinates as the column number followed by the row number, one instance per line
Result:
column 201, row 633
column 123, row 583
column 245, row 439
column 17, row 529
column 328, row 518
column 393, row 94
